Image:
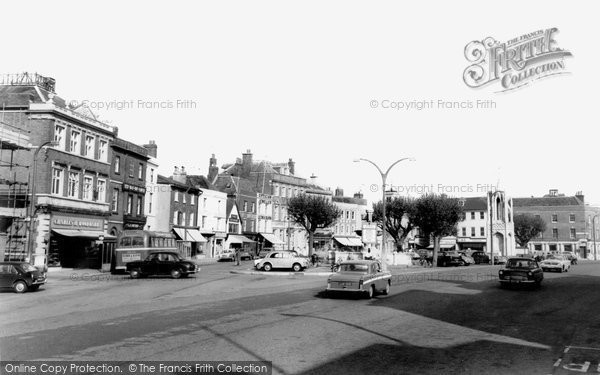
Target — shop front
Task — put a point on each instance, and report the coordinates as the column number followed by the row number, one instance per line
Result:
column 190, row 242
column 78, row 241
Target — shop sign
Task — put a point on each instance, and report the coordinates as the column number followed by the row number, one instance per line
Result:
column 134, row 188
column 76, row 222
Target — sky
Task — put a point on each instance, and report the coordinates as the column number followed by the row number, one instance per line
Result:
column 315, row 81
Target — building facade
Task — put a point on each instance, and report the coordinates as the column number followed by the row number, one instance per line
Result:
column 151, row 197
column 69, row 208
column 212, row 215
column 128, row 186
column 570, row 223
column 349, row 224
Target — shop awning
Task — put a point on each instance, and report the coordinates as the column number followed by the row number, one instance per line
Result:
column 83, row 233
column 195, row 235
column 180, row 232
column 236, row 238
column 349, row 241
column 271, row 238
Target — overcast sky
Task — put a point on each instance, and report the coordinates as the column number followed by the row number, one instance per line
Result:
column 296, row 80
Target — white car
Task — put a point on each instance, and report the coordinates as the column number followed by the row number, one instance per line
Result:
column 281, row 259
column 558, row 263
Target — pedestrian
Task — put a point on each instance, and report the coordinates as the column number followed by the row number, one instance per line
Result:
column 237, row 256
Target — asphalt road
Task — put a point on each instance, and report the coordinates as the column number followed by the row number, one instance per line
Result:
column 454, row 320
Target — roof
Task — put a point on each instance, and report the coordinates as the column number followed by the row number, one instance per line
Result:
column 475, row 203
column 234, row 185
column 547, row 201
column 160, row 179
column 21, row 96
column 200, row 182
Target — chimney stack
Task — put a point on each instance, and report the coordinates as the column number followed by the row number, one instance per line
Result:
column 339, row 192
column 579, row 195
column 180, row 175
column 246, row 163
column 152, row 148
column 292, row 166
column 213, row 169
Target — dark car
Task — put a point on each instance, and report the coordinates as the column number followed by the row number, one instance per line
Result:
column 521, row 271
column 480, row 257
column 451, row 258
column 161, row 263
column 20, row 276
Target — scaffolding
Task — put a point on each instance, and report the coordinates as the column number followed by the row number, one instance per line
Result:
column 13, row 193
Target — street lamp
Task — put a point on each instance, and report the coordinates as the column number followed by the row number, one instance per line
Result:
column 32, row 203
column 594, row 235
column 383, row 183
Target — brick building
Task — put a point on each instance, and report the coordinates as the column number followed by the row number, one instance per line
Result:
column 69, row 214
column 569, row 222
column 128, row 186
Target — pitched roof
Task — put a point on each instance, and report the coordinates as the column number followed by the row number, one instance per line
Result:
column 547, row 201
column 474, row 203
column 234, row 184
column 200, row 182
column 160, row 179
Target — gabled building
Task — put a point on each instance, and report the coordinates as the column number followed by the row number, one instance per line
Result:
column 349, row 224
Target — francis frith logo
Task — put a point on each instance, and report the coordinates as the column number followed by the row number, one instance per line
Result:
column 514, row 63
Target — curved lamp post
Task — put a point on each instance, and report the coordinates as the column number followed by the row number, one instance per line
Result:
column 383, row 183
column 32, row 203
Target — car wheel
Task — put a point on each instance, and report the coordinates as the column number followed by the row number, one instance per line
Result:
column 135, row 273
column 20, row 287
column 371, row 292
column 175, row 273
column 296, row 267
column 386, row 291
column 267, row 267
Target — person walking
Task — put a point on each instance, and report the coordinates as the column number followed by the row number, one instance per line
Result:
column 237, row 256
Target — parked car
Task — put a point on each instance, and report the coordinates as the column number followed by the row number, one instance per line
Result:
column 501, row 259
column 161, row 263
column 467, row 259
column 560, row 263
column 360, row 276
column 226, row 254
column 521, row 271
column 480, row 257
column 281, row 259
column 245, row 255
column 450, row 258
column 20, row 276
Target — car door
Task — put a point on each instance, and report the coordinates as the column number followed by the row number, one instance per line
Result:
column 150, row 267
column 7, row 275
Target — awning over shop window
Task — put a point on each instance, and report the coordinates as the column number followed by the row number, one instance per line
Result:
column 349, row 241
column 236, row 238
column 271, row 238
column 83, row 233
column 195, row 235
column 180, row 232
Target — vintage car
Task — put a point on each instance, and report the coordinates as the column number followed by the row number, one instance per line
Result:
column 360, row 276
column 287, row 259
column 500, row 259
column 571, row 256
column 20, row 276
column 560, row 263
column 161, row 263
column 452, row 258
column 521, row 271
column 467, row 259
column 226, row 254
column 480, row 257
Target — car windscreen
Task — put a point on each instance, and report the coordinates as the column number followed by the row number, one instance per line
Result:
column 28, row 267
column 354, row 268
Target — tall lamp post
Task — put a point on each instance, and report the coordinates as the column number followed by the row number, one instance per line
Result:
column 384, row 219
column 594, row 235
column 32, row 203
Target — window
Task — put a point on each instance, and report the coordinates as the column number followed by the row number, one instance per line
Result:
column 192, row 199
column 75, row 139
column 140, row 171
column 353, row 215
column 472, row 215
column 554, row 218
column 204, row 203
column 103, row 150
column 555, row 233
column 192, row 219
column 573, row 233
column 482, row 232
column 253, row 207
column 59, row 136
column 151, row 174
column 101, row 189
column 482, row 215
column 140, row 203
column 176, row 196
column 182, row 219
column 115, row 200
column 183, row 197
column 73, row 186
column 129, row 204
column 464, row 232
column 88, row 186
column 89, row 146
column 175, row 216
column 57, row 181
column 150, row 203
column 472, row 231
column 347, row 215
column 117, row 164
column 131, row 169
column 571, row 218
